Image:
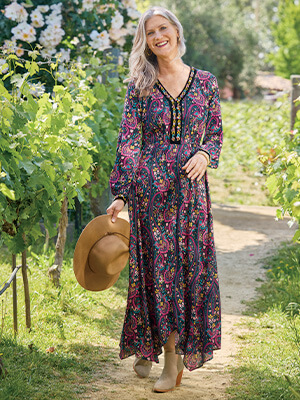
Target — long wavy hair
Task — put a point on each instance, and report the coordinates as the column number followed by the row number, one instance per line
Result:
column 143, row 63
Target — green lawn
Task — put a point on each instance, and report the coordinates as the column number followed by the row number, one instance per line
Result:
column 83, row 328
column 270, row 347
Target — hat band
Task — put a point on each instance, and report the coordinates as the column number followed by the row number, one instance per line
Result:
column 115, row 233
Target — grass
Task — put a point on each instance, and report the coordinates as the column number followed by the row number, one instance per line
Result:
column 270, row 346
column 82, row 328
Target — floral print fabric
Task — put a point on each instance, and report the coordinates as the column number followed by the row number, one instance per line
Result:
column 173, row 280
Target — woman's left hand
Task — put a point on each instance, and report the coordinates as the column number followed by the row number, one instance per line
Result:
column 196, row 166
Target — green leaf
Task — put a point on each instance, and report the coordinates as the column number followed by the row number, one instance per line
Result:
column 100, row 91
column 32, row 67
column 27, row 165
column 272, row 183
column 7, row 192
column 296, row 237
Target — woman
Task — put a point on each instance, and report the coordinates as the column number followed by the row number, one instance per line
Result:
column 170, row 132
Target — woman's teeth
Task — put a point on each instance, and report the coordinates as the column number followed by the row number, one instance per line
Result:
column 161, row 44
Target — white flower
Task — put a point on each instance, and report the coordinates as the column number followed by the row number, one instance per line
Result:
column 43, row 9
column 15, row 12
column 19, row 51
column 117, row 21
column 51, row 36
column 54, row 19
column 9, row 46
column 117, row 34
column 131, row 27
column 121, row 42
column 99, row 36
column 133, row 13
column 36, row 89
column 75, row 41
column 64, row 55
column 100, row 41
column 25, row 32
column 129, row 3
column 47, row 52
column 296, row 204
column 56, row 8
column 37, row 19
column 88, row 5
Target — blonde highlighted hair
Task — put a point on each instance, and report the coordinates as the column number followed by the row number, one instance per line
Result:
column 144, row 67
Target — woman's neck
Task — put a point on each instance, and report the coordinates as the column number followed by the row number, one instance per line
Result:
column 169, row 67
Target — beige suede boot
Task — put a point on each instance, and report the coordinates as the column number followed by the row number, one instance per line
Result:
column 142, row 367
column 171, row 374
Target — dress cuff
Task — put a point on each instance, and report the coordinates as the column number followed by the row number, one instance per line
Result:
column 120, row 196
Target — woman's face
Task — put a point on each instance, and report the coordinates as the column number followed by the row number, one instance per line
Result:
column 162, row 37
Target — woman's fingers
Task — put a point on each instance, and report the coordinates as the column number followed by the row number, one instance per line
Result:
column 114, row 209
column 195, row 167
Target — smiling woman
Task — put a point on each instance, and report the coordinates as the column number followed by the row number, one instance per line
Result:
column 170, row 132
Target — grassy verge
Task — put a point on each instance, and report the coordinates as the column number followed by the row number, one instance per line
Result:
column 74, row 332
column 270, row 346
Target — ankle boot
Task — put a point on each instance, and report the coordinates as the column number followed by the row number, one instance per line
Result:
column 142, row 367
column 171, row 374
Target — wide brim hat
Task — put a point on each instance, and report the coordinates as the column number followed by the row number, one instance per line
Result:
column 101, row 252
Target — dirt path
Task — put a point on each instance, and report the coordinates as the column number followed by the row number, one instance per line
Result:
column 244, row 235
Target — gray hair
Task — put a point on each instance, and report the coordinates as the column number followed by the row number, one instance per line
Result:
column 144, row 67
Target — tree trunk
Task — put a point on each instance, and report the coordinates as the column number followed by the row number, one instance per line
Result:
column 55, row 270
column 15, row 303
column 26, row 291
column 47, row 239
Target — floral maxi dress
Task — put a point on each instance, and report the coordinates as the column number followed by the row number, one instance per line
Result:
column 173, row 280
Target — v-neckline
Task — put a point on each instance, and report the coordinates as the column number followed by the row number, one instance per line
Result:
column 184, row 90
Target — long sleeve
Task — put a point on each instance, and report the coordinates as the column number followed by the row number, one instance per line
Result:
column 128, row 147
column 213, row 137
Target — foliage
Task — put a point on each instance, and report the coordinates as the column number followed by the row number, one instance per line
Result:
column 105, row 121
column 228, row 38
column 286, row 31
column 74, row 332
column 251, row 128
column 268, row 362
column 211, row 43
column 284, row 177
column 283, row 280
column 66, row 30
column 45, row 148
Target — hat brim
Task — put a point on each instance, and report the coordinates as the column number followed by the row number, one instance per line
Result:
column 94, row 231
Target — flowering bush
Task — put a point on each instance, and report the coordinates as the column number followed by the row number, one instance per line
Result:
column 67, row 28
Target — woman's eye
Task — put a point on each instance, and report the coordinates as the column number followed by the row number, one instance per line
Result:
column 163, row 27
column 149, row 33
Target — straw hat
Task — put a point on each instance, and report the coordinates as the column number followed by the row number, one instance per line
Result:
column 101, row 252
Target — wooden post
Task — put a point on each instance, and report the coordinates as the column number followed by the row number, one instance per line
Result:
column 295, row 95
column 26, row 291
column 15, row 304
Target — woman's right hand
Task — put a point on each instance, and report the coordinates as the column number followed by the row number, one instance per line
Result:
column 114, row 209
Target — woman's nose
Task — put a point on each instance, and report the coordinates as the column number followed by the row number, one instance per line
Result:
column 157, row 35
